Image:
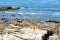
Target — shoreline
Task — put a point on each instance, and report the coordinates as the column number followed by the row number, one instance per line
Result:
column 26, row 27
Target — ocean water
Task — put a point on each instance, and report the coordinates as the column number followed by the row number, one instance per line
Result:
column 41, row 10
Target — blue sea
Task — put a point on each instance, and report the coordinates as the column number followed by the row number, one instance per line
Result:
column 41, row 10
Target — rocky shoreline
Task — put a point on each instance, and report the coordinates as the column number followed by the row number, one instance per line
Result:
column 26, row 28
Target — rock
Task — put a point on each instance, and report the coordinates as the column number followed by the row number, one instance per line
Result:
column 35, row 24
column 46, row 36
column 26, row 34
column 14, row 8
column 53, row 21
column 26, row 29
column 8, row 8
column 10, row 37
column 54, row 37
